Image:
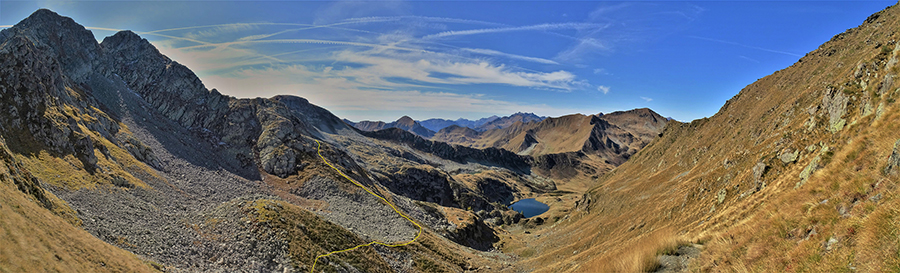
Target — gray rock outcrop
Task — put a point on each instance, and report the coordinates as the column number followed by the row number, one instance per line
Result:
column 835, row 104
column 758, row 171
column 893, row 164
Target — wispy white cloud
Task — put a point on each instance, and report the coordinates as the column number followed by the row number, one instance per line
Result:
column 342, row 95
column 508, row 55
column 583, row 47
column 604, row 89
column 437, row 70
column 600, row 71
column 647, row 99
column 625, row 29
column 372, row 72
column 540, row 27
column 747, row 46
column 604, row 10
column 379, row 69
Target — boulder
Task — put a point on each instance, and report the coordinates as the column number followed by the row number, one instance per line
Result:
column 758, row 171
column 789, row 157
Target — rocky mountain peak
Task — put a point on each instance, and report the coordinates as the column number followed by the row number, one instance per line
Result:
column 125, row 37
column 70, row 43
column 406, row 121
column 127, row 47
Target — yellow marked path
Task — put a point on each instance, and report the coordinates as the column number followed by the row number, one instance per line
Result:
column 319, row 151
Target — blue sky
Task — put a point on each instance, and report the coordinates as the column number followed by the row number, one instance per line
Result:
column 379, row 60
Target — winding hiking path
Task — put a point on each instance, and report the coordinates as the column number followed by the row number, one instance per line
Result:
column 319, row 152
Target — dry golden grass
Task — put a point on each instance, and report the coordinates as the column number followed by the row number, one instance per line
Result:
column 640, row 256
column 675, row 182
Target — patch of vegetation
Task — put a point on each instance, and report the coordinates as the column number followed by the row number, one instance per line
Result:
column 308, row 236
column 427, row 265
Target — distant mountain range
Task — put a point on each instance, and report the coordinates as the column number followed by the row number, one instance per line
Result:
column 614, row 137
column 436, row 124
column 427, row 128
column 405, row 123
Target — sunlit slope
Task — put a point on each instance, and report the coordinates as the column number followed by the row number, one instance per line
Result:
column 795, row 173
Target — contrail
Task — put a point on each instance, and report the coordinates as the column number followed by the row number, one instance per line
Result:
column 202, row 43
column 306, row 41
column 508, row 55
column 509, row 29
column 424, row 18
column 747, row 46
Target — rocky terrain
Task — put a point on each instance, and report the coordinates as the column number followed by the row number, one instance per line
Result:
column 152, row 162
column 128, row 145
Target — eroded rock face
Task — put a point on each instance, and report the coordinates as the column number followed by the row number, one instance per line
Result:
column 33, row 88
column 167, row 85
column 268, row 126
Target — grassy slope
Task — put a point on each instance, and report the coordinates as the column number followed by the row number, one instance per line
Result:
column 669, row 192
column 36, row 240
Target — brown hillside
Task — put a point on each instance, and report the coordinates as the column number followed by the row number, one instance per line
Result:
column 366, row 125
column 405, row 123
column 796, row 173
column 614, row 137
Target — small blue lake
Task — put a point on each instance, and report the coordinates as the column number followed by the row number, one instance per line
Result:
column 529, row 207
